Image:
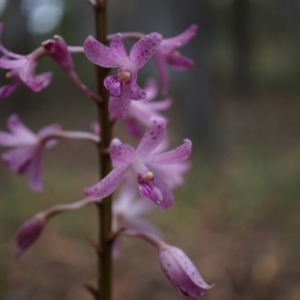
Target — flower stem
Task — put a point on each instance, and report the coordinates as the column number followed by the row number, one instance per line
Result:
column 105, row 207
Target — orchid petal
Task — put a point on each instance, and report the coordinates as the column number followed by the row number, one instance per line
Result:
column 167, row 45
column 8, row 89
column 35, row 171
column 133, row 127
column 125, row 99
column 143, row 49
column 118, row 108
column 136, row 92
column 9, row 140
column 157, row 191
column 118, row 49
column 113, row 85
column 160, row 105
column 100, row 54
column 167, row 194
column 17, row 127
column 173, row 174
column 163, row 74
column 151, row 89
column 143, row 110
column 11, row 64
column 152, row 137
column 176, row 155
column 108, row 184
column 179, row 62
column 37, row 83
column 18, row 159
column 120, row 153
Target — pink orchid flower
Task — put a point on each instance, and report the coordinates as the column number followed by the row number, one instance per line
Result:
column 122, row 86
column 27, row 155
column 167, row 53
column 151, row 184
column 181, row 272
column 22, row 69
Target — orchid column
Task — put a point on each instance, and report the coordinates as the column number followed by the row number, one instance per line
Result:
column 146, row 175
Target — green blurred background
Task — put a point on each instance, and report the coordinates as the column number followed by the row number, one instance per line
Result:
column 237, row 216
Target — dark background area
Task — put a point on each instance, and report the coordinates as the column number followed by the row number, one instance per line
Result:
column 237, row 216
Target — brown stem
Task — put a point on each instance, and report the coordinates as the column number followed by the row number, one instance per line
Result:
column 105, row 207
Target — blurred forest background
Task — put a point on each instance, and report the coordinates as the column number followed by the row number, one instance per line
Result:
column 237, row 216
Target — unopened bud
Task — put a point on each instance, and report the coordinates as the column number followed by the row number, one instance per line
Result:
column 181, row 272
column 57, row 49
column 29, row 232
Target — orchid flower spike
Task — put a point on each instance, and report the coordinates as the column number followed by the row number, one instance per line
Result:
column 181, row 272
column 26, row 157
column 151, row 184
column 167, row 53
column 22, row 69
column 122, row 86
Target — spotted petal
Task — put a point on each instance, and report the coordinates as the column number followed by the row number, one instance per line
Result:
column 108, row 184
column 136, row 92
column 118, row 107
column 152, row 137
column 118, row 49
column 100, row 54
column 120, row 153
column 143, row 49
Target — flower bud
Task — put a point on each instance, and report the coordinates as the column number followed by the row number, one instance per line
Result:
column 181, row 272
column 57, row 49
column 29, row 232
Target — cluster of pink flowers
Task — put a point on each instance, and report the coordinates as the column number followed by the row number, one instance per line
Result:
column 149, row 169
